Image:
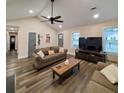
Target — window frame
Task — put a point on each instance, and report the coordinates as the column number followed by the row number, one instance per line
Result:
column 72, row 40
column 103, row 42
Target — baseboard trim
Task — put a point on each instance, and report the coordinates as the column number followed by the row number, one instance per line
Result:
column 21, row 57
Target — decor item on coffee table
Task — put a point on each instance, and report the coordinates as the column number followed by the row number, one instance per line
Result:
column 48, row 59
column 64, row 67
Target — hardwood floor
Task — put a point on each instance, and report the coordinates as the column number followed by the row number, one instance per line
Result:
column 29, row 80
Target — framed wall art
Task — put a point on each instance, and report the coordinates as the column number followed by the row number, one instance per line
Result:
column 47, row 38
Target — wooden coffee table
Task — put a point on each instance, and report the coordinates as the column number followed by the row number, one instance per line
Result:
column 61, row 69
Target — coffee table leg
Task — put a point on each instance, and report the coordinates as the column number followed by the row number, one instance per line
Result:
column 78, row 66
column 60, row 79
column 53, row 74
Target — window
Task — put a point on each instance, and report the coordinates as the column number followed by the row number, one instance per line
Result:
column 110, row 40
column 75, row 39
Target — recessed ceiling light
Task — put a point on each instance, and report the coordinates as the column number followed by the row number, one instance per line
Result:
column 48, row 16
column 60, row 26
column 31, row 11
column 96, row 16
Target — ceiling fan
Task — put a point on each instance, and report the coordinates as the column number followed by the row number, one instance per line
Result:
column 52, row 19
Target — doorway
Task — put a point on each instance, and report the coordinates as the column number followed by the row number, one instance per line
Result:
column 12, row 43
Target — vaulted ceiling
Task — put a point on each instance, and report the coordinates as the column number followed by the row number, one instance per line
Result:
column 74, row 12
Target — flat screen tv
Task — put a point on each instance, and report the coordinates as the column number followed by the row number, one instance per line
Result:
column 82, row 43
column 91, row 43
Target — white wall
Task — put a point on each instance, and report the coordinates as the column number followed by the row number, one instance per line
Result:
column 7, row 41
column 94, row 30
column 32, row 25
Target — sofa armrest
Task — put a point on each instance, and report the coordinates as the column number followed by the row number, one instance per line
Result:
column 101, row 65
column 39, row 59
column 38, row 62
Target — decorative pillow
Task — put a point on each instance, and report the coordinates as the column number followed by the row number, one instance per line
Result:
column 111, row 73
column 61, row 49
column 41, row 54
column 51, row 52
column 45, row 50
column 55, row 48
column 35, row 54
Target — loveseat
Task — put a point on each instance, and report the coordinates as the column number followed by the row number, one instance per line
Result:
column 99, row 83
column 48, row 59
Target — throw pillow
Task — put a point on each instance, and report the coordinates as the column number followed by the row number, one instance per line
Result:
column 111, row 73
column 35, row 54
column 61, row 49
column 51, row 52
column 41, row 54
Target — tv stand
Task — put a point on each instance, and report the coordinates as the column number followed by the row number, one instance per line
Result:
column 90, row 56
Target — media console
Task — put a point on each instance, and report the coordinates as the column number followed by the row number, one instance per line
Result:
column 90, row 56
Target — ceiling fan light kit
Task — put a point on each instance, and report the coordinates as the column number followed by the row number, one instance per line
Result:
column 52, row 19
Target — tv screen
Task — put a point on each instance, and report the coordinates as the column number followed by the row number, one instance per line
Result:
column 91, row 43
column 82, row 43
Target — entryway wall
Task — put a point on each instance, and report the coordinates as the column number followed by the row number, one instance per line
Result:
column 33, row 24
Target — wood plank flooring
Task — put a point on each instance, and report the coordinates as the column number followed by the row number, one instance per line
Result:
column 29, row 80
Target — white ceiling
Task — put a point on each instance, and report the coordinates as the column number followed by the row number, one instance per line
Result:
column 74, row 12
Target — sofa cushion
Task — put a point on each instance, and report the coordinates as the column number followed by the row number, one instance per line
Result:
column 101, row 65
column 54, row 57
column 111, row 73
column 45, row 50
column 94, row 87
column 61, row 49
column 58, row 55
column 51, row 52
column 48, row 58
column 102, row 80
column 55, row 48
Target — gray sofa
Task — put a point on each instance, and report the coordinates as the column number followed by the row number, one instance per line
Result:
column 48, row 59
column 99, row 83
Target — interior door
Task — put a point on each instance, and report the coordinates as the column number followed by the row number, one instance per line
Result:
column 31, row 43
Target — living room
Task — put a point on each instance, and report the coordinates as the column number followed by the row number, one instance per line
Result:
column 54, row 47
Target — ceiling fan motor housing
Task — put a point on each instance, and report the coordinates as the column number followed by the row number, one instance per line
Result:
column 52, row 0
column 51, row 19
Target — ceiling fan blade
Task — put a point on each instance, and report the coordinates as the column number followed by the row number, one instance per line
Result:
column 57, row 17
column 44, row 17
column 45, row 20
column 59, row 21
